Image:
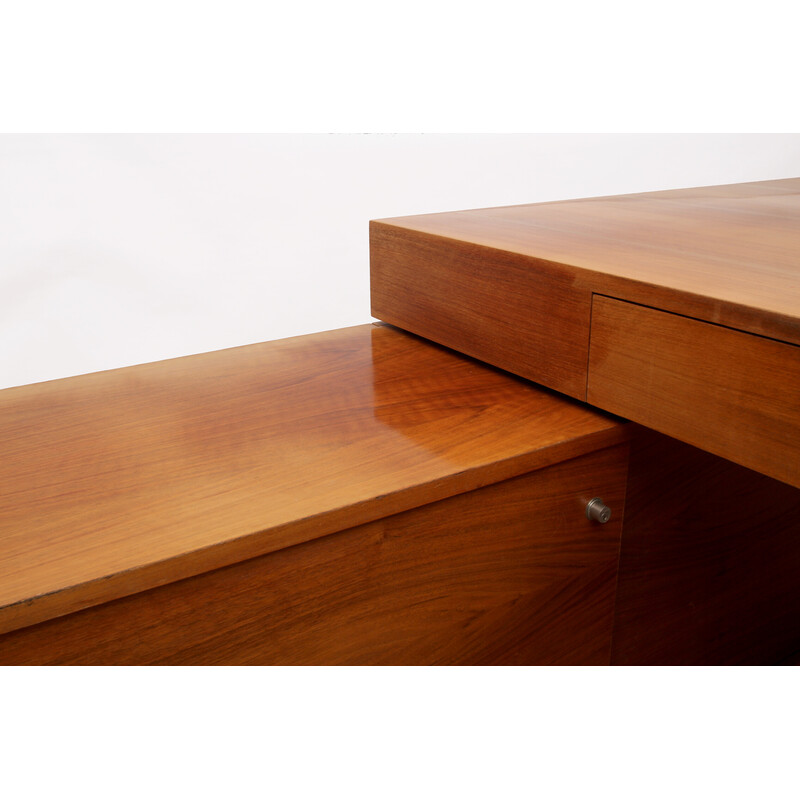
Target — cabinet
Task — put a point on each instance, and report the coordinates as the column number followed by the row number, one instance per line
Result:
column 359, row 496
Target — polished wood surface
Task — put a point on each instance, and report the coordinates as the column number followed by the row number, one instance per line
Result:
column 482, row 302
column 724, row 254
column 516, row 287
column 710, row 561
column 732, row 393
column 511, row 573
column 117, row 482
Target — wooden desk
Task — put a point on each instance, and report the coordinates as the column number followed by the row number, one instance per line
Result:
column 357, row 496
column 363, row 496
column 679, row 310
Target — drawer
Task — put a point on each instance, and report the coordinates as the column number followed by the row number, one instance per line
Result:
column 512, row 573
column 732, row 393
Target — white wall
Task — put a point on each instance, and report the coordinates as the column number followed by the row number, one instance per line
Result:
column 121, row 249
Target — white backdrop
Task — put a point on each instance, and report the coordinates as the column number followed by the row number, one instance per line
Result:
column 121, row 249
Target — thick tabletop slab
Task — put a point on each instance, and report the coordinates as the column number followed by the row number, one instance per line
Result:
column 555, row 291
column 119, row 481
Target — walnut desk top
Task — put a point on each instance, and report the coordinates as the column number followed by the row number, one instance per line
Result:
column 677, row 309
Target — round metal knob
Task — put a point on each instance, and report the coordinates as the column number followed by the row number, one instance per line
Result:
column 597, row 510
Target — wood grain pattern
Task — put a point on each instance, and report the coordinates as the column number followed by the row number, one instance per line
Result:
column 734, row 394
column 724, row 254
column 510, row 286
column 710, row 561
column 511, row 573
column 116, row 482
column 483, row 302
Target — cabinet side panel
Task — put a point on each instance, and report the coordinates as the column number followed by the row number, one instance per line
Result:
column 515, row 312
column 511, row 573
column 709, row 563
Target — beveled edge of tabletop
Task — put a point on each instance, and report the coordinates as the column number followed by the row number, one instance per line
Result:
column 763, row 300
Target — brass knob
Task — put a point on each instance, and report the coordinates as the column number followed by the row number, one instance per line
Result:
column 597, row 510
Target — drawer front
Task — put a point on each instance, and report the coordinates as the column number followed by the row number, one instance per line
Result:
column 512, row 573
column 644, row 365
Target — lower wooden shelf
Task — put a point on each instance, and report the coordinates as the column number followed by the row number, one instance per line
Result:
column 366, row 497
column 359, row 496
column 512, row 573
